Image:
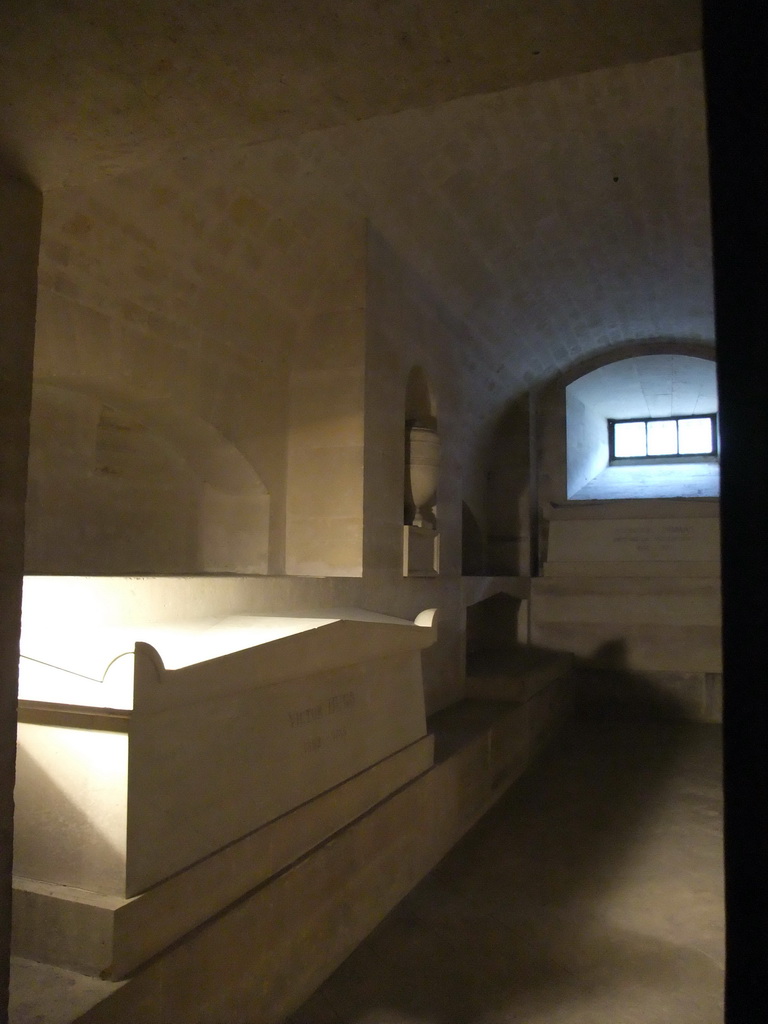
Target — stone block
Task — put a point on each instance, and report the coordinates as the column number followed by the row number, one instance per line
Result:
column 109, row 936
column 515, row 674
column 421, row 551
column 178, row 747
column 324, row 545
column 264, row 955
column 634, row 540
column 663, row 624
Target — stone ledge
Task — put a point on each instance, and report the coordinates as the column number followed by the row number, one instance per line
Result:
column 677, row 570
column 516, row 674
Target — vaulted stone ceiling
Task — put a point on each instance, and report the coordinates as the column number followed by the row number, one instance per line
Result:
column 546, row 173
column 105, row 85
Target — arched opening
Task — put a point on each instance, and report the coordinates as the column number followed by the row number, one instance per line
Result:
column 664, row 394
column 119, row 486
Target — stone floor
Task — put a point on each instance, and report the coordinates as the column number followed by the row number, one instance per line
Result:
column 591, row 894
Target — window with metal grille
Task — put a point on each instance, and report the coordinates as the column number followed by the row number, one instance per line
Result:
column 673, row 437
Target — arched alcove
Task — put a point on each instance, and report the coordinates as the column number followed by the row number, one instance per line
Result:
column 420, row 477
column 668, row 387
column 121, row 486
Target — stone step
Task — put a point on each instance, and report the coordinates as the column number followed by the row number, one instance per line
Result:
column 516, row 674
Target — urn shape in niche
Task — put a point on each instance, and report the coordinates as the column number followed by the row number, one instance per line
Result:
column 422, row 463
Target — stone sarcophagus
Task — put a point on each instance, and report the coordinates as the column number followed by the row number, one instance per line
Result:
column 164, row 770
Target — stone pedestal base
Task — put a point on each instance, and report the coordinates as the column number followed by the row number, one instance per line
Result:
column 421, row 551
column 110, row 936
column 262, row 957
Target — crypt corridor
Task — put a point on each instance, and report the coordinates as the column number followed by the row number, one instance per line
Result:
column 342, row 626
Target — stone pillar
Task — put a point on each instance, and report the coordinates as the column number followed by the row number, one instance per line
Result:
column 324, row 505
column 20, row 215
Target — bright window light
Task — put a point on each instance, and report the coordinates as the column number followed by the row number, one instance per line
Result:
column 696, row 436
column 673, row 437
column 629, row 440
column 662, row 437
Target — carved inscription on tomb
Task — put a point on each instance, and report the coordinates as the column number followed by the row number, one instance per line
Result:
column 652, row 540
column 328, row 728
column 620, row 540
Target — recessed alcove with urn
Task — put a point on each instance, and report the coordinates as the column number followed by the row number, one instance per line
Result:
column 421, row 538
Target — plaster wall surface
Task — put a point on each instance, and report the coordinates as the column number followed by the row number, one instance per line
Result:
column 586, row 443
column 672, row 384
column 408, row 328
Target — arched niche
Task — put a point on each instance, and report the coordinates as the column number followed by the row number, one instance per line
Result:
column 122, row 486
column 422, row 451
column 421, row 478
column 654, row 386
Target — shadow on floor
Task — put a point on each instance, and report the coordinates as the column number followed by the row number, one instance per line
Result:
column 590, row 894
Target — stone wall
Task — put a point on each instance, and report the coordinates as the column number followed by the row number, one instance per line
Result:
column 192, row 330
column 207, row 285
column 586, row 443
column 326, row 434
